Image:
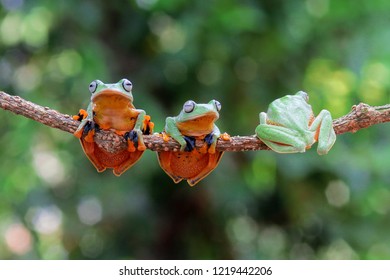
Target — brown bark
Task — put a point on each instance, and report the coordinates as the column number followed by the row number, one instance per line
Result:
column 361, row 116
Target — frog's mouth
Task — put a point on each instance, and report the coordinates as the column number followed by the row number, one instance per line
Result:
column 209, row 117
column 111, row 96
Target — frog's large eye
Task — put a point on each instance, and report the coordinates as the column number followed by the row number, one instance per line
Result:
column 218, row 105
column 93, row 86
column 304, row 95
column 127, row 85
column 189, row 106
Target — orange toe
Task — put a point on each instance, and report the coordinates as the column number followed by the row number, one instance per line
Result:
column 89, row 137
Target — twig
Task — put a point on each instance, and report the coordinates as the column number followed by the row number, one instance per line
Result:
column 361, row 116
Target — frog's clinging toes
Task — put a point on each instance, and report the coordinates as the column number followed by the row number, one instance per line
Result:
column 289, row 126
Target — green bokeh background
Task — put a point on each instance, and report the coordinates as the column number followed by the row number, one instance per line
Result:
column 255, row 205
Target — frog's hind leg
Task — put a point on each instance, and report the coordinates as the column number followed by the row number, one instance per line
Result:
column 325, row 134
column 212, row 164
column 281, row 139
column 164, row 159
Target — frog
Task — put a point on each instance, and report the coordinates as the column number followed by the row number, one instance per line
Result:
column 111, row 108
column 289, row 126
column 196, row 121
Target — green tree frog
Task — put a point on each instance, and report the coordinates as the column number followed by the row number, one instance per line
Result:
column 195, row 122
column 289, row 126
column 111, row 108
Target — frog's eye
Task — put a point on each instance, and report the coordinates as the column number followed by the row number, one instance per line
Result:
column 189, row 106
column 304, row 95
column 93, row 86
column 218, row 105
column 127, row 85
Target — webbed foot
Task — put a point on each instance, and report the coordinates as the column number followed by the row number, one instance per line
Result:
column 88, row 131
column 211, row 141
column 190, row 141
column 147, row 126
column 134, row 142
column 81, row 115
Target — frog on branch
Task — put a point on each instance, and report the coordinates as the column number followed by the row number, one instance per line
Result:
column 289, row 126
column 111, row 108
column 195, row 122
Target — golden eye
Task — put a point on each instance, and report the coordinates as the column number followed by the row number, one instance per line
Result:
column 189, row 106
column 127, row 85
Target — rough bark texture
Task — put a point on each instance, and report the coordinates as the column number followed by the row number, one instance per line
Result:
column 361, row 116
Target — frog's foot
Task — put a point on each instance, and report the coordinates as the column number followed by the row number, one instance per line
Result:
column 190, row 141
column 81, row 115
column 225, row 137
column 147, row 126
column 165, row 136
column 88, row 131
column 211, row 141
column 134, row 141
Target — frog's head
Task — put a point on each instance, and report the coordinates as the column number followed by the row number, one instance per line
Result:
column 194, row 111
column 121, row 89
column 198, row 119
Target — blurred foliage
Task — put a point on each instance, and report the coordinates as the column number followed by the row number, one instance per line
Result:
column 255, row 205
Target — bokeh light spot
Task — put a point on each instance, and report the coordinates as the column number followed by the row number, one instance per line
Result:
column 91, row 245
column 302, row 251
column 146, row 4
column 35, row 28
column 48, row 166
column 18, row 239
column 340, row 250
column 45, row 220
column 69, row 62
column 11, row 5
column 337, row 193
column 90, row 210
column 171, row 35
column 27, row 77
column 317, row 8
column 244, row 229
column 10, row 29
column 273, row 241
column 379, row 200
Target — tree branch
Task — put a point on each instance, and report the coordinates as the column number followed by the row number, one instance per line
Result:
column 361, row 116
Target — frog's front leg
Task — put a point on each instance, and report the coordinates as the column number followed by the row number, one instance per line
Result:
column 172, row 130
column 280, row 139
column 87, row 126
column 212, row 138
column 134, row 137
column 325, row 134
